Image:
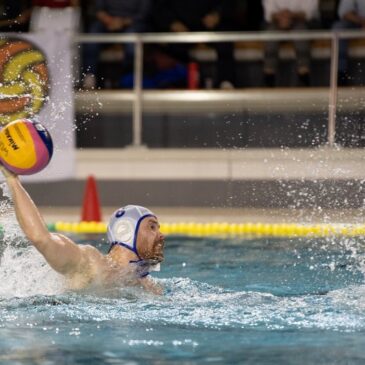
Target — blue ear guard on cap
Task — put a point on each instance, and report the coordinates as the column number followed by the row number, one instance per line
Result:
column 124, row 224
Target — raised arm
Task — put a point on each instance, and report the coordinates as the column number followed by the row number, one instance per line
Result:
column 61, row 253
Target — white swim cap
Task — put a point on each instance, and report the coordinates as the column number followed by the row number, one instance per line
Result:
column 124, row 224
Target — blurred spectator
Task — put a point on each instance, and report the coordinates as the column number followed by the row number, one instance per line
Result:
column 248, row 15
column 88, row 12
column 192, row 16
column 328, row 13
column 352, row 16
column 15, row 15
column 286, row 15
column 114, row 16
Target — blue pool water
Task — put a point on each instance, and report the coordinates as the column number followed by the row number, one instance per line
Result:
column 266, row 301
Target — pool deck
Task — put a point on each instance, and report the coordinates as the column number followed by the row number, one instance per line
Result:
column 230, row 215
column 269, row 185
column 213, row 180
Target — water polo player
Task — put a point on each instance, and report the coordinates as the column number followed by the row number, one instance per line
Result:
column 134, row 233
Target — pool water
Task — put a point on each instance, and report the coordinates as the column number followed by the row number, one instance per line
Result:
column 266, row 301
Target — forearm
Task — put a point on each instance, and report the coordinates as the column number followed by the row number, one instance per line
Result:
column 352, row 17
column 60, row 252
column 288, row 15
column 103, row 16
column 28, row 216
column 299, row 16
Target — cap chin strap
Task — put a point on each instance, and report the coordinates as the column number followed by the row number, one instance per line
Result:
column 142, row 265
column 133, row 249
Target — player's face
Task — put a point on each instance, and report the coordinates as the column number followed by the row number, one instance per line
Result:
column 150, row 241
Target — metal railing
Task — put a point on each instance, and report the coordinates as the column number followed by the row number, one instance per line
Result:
column 207, row 37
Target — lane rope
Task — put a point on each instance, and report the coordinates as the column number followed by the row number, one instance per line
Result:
column 227, row 229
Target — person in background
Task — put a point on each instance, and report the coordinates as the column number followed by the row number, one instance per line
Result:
column 15, row 15
column 114, row 16
column 352, row 16
column 288, row 15
column 194, row 16
column 248, row 15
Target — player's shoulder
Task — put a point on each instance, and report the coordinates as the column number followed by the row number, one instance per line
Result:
column 91, row 250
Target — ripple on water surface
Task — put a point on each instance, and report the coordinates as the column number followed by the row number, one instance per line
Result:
column 251, row 294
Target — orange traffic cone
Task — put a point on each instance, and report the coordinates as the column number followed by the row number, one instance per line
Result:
column 91, row 206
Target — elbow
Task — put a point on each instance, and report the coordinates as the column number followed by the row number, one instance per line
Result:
column 39, row 239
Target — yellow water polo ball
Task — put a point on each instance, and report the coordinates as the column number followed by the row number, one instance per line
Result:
column 25, row 147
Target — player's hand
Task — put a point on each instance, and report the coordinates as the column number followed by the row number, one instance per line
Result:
column 6, row 172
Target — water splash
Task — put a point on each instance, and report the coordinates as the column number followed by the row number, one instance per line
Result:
column 24, row 273
column 8, row 220
column 190, row 304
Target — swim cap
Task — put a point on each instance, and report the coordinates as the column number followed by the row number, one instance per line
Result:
column 124, row 224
